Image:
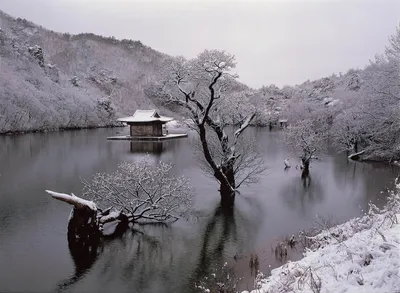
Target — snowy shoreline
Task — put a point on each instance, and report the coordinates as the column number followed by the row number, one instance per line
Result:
column 175, row 124
column 17, row 132
column 361, row 255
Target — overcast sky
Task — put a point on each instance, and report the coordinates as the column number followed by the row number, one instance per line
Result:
column 275, row 42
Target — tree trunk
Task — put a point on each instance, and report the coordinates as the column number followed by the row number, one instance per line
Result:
column 356, row 146
column 305, row 177
column 306, row 167
column 226, row 171
column 227, row 194
column 83, row 226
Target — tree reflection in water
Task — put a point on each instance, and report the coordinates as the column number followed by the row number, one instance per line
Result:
column 85, row 253
column 303, row 192
column 225, row 236
column 161, row 258
column 219, row 231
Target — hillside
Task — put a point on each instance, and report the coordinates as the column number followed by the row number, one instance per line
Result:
column 50, row 80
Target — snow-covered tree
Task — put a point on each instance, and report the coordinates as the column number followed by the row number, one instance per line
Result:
column 347, row 131
column 142, row 191
column 203, row 86
column 305, row 137
column 137, row 192
column 380, row 107
column 309, row 122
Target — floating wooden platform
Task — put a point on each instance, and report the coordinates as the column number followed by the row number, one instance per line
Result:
column 148, row 138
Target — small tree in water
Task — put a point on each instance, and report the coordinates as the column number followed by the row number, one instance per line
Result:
column 305, row 137
column 138, row 192
column 144, row 192
column 204, row 87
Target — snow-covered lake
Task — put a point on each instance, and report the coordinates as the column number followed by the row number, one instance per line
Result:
column 34, row 254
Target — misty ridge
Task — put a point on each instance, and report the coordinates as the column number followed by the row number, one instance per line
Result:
column 54, row 81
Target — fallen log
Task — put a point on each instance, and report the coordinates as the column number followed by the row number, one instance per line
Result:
column 356, row 156
column 86, row 220
column 72, row 199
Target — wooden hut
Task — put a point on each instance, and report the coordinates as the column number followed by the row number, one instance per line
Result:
column 146, row 123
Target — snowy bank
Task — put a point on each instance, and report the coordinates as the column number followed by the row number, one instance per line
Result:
column 361, row 255
column 175, row 124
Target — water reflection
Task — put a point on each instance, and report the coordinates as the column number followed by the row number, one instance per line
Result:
column 302, row 192
column 135, row 255
column 219, row 231
column 372, row 179
column 155, row 147
column 165, row 151
column 160, row 259
column 84, row 255
column 147, row 257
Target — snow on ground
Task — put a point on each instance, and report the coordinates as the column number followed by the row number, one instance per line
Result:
column 174, row 124
column 361, row 255
column 187, row 123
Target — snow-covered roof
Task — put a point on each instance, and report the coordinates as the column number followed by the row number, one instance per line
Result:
column 145, row 116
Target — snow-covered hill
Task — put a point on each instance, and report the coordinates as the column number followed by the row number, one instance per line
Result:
column 50, row 80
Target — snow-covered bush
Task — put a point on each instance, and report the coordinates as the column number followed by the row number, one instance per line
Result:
column 37, row 52
column 143, row 191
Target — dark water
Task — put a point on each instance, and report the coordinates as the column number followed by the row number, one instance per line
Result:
column 34, row 254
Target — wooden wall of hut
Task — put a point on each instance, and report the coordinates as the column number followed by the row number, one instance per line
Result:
column 146, row 129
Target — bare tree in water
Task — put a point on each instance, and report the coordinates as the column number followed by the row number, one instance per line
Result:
column 204, row 87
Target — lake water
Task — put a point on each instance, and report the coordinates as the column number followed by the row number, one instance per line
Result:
column 34, row 253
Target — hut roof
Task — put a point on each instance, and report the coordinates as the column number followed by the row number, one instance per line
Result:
column 145, row 116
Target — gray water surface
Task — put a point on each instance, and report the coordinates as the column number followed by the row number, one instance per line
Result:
column 34, row 253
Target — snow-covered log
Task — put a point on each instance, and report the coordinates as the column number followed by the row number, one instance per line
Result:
column 72, row 199
column 83, row 223
column 356, row 156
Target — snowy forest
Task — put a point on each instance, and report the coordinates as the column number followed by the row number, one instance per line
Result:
column 53, row 81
